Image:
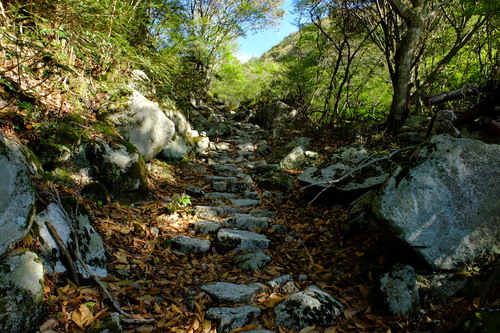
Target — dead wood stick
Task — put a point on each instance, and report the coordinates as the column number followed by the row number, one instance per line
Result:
column 467, row 90
column 117, row 306
column 64, row 251
column 352, row 171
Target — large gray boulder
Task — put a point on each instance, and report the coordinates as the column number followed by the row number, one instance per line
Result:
column 184, row 140
column 90, row 244
column 444, row 202
column 140, row 121
column 21, row 290
column 309, row 307
column 17, row 196
column 118, row 166
column 341, row 162
column 176, row 149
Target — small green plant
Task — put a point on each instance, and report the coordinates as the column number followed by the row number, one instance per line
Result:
column 179, row 201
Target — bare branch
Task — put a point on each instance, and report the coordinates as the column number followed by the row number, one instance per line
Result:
column 366, row 162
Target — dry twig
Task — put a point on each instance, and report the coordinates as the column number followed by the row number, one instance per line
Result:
column 349, row 173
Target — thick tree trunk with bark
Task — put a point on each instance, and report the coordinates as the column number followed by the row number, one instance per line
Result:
column 406, row 52
column 405, row 56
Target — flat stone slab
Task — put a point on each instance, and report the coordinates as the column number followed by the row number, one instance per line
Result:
column 220, row 186
column 246, row 222
column 194, row 191
column 240, row 240
column 251, row 195
column 190, row 245
column 245, row 202
column 225, row 170
column 232, row 293
column 210, row 212
column 220, row 195
column 206, row 227
column 223, row 145
column 228, row 319
column 213, row 179
column 240, row 186
column 258, row 212
column 251, row 261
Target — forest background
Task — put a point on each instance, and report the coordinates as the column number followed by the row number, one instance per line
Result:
column 358, row 61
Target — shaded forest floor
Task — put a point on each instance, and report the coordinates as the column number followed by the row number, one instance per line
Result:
column 152, row 281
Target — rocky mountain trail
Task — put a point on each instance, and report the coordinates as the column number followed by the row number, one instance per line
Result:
column 228, row 242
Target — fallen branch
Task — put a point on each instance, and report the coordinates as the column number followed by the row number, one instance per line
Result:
column 349, row 173
column 129, row 318
column 64, row 251
column 116, row 305
column 467, row 90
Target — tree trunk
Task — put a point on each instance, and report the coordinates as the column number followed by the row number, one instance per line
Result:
column 405, row 55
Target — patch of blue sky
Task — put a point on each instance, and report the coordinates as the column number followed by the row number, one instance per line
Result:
column 257, row 44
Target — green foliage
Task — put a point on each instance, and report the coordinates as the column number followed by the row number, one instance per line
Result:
column 179, row 201
column 236, row 84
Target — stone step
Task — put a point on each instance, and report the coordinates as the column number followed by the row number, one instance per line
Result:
column 226, row 170
column 247, row 222
column 232, row 293
column 229, row 319
column 211, row 212
column 220, row 195
column 240, row 240
column 251, row 261
column 189, row 245
column 206, row 227
column 245, row 202
column 213, row 179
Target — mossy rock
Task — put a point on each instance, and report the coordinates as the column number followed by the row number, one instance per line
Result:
column 118, row 166
column 50, row 153
column 275, row 180
column 96, row 191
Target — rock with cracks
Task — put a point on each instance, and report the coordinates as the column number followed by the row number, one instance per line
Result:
column 228, row 319
column 310, row 307
column 90, row 243
column 247, row 222
column 344, row 160
column 140, row 121
column 444, row 202
column 211, row 212
column 117, row 165
column 17, row 195
column 240, row 240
